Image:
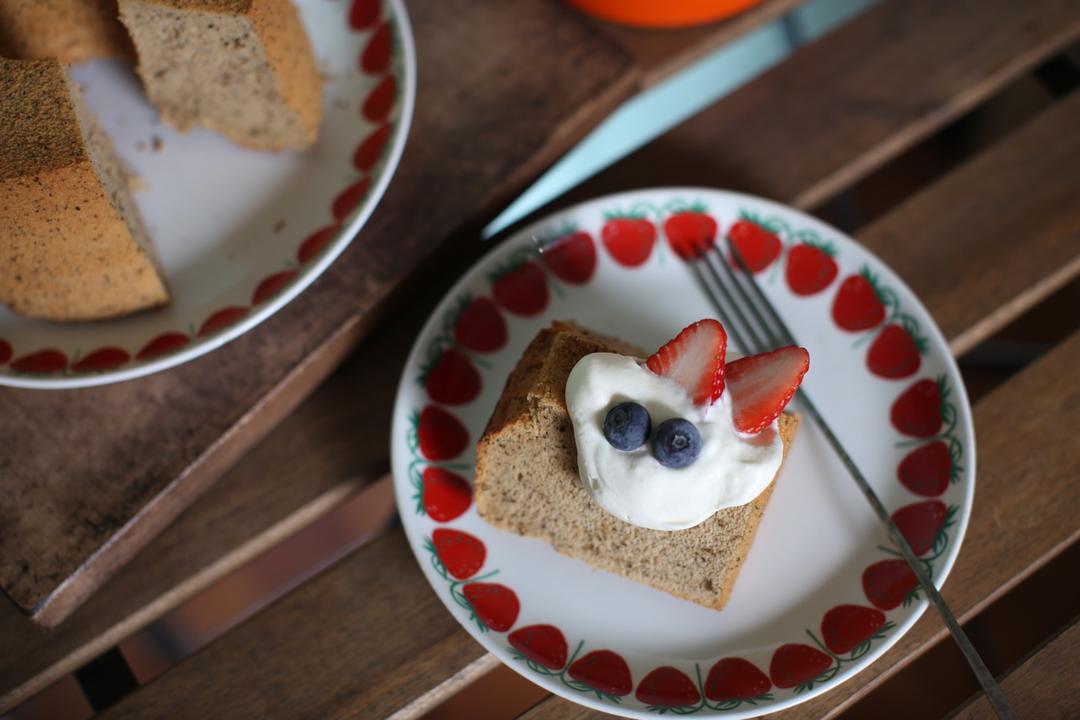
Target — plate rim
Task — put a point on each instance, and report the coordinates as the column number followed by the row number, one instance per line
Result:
column 307, row 275
column 512, row 238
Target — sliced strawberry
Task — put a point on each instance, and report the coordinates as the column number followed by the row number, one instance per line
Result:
column 543, row 644
column 735, row 679
column 695, row 360
column 667, row 687
column 495, row 605
column 920, row 524
column 604, row 671
column 461, row 554
column 926, row 470
column 757, row 247
column 446, row 495
column 762, row 385
column 888, row 583
column 797, row 664
column 844, row 627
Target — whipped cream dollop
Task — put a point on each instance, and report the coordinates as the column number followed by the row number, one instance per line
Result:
column 732, row 468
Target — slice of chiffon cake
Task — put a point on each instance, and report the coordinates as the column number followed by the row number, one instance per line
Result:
column 71, row 31
column 73, row 246
column 527, row 482
column 243, row 68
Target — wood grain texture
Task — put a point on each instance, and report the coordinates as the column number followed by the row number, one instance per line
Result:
column 991, row 239
column 367, row 654
column 661, row 52
column 364, row 639
column 847, row 103
column 1045, row 685
column 1025, row 438
column 92, row 475
column 322, row 453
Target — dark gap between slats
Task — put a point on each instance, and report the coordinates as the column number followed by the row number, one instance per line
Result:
column 106, row 679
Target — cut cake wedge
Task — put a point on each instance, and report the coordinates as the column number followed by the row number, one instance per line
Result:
column 243, row 68
column 527, row 482
column 73, row 246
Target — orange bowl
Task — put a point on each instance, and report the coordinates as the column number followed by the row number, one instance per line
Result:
column 662, row 13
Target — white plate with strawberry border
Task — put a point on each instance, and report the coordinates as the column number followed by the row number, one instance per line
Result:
column 822, row 593
column 240, row 233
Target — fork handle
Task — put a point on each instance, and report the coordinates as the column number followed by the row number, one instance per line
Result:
column 986, row 679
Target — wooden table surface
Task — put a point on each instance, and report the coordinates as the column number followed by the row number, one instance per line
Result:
column 834, row 111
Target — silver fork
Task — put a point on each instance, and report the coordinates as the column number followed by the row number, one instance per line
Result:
column 760, row 328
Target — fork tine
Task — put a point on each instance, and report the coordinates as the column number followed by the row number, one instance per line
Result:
column 719, row 305
column 749, row 332
column 775, row 339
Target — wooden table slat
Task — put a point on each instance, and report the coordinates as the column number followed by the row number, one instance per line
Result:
column 849, row 102
column 134, row 453
column 1046, row 685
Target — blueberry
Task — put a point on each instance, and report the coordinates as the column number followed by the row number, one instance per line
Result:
column 676, row 443
column 627, row 425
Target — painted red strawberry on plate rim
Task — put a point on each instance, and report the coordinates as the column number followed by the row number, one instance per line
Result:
column 480, row 326
column 695, row 359
column 440, row 434
column 452, row 380
column 5, row 352
column 363, row 13
column 895, row 353
column 796, row 664
column 460, row 553
column 927, row 470
column 521, row 289
column 690, row 233
column 271, row 285
column 572, row 257
column 105, row 358
column 446, row 495
column 810, row 268
column 887, row 583
column 858, row 304
column 844, row 627
column 762, row 385
column 495, row 605
column 920, row 523
column 221, row 319
column 604, row 671
column 49, row 360
column 629, row 239
column 757, row 246
column 734, row 678
column 667, row 687
column 162, row 344
column 917, row 412
column 543, row 644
